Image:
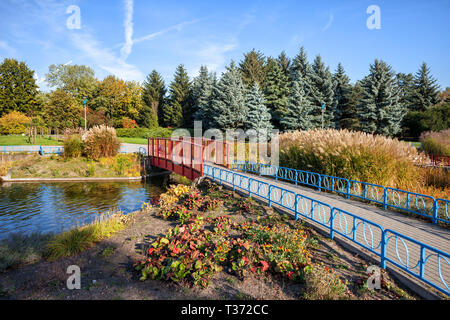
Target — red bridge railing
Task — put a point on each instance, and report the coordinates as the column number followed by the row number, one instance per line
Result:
column 186, row 156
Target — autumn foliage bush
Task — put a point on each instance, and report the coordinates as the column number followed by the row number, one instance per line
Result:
column 352, row 155
column 13, row 123
column 100, row 141
column 128, row 123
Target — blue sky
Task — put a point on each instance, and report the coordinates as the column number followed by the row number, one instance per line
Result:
column 131, row 38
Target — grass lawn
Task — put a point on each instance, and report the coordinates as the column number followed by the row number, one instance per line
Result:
column 416, row 144
column 133, row 140
column 18, row 140
column 57, row 167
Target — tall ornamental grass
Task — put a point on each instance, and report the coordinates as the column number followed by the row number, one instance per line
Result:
column 353, row 155
column 100, row 141
column 73, row 146
column 437, row 143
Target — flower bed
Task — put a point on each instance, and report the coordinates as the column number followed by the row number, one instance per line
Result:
column 205, row 243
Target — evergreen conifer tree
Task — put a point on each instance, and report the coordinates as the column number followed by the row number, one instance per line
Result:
column 179, row 111
column 202, row 88
column 322, row 92
column 342, row 91
column 299, row 114
column 405, row 83
column 276, row 91
column 228, row 100
column 349, row 119
column 285, row 63
column 379, row 110
column 252, row 68
column 258, row 117
column 153, row 96
column 426, row 90
column 300, row 66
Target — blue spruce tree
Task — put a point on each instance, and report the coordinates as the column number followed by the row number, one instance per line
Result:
column 228, row 100
column 299, row 114
column 202, row 92
column 379, row 110
column 322, row 93
column 258, row 117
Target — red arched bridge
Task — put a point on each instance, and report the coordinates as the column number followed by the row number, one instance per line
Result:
column 186, row 156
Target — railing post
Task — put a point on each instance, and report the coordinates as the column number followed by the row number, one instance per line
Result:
column 182, row 158
column 422, row 262
column 348, row 189
column 201, row 154
column 249, row 187
column 295, row 207
column 259, row 169
column 296, row 177
column 320, row 183
column 270, row 194
column 332, row 224
column 383, row 249
column 192, row 160
column 384, row 198
column 435, row 211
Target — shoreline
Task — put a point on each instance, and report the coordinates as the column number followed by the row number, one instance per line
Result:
column 80, row 179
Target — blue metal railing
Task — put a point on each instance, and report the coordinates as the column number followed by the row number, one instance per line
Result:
column 50, row 150
column 8, row 149
column 411, row 202
column 431, row 265
column 42, row 150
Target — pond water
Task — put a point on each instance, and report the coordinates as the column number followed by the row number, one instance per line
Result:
column 56, row 207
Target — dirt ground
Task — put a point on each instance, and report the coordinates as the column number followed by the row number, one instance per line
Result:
column 107, row 272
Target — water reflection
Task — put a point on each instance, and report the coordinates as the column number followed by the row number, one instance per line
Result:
column 55, row 207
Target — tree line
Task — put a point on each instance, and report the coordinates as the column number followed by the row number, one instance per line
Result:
column 259, row 93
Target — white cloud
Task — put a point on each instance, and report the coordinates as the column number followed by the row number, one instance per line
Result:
column 155, row 35
column 4, row 46
column 213, row 55
column 38, row 79
column 105, row 58
column 330, row 21
column 128, row 25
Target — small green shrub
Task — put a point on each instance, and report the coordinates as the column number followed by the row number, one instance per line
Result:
column 158, row 132
column 122, row 163
column 100, row 141
column 80, row 239
column 323, row 284
column 20, row 249
column 91, row 169
column 437, row 143
column 73, row 146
